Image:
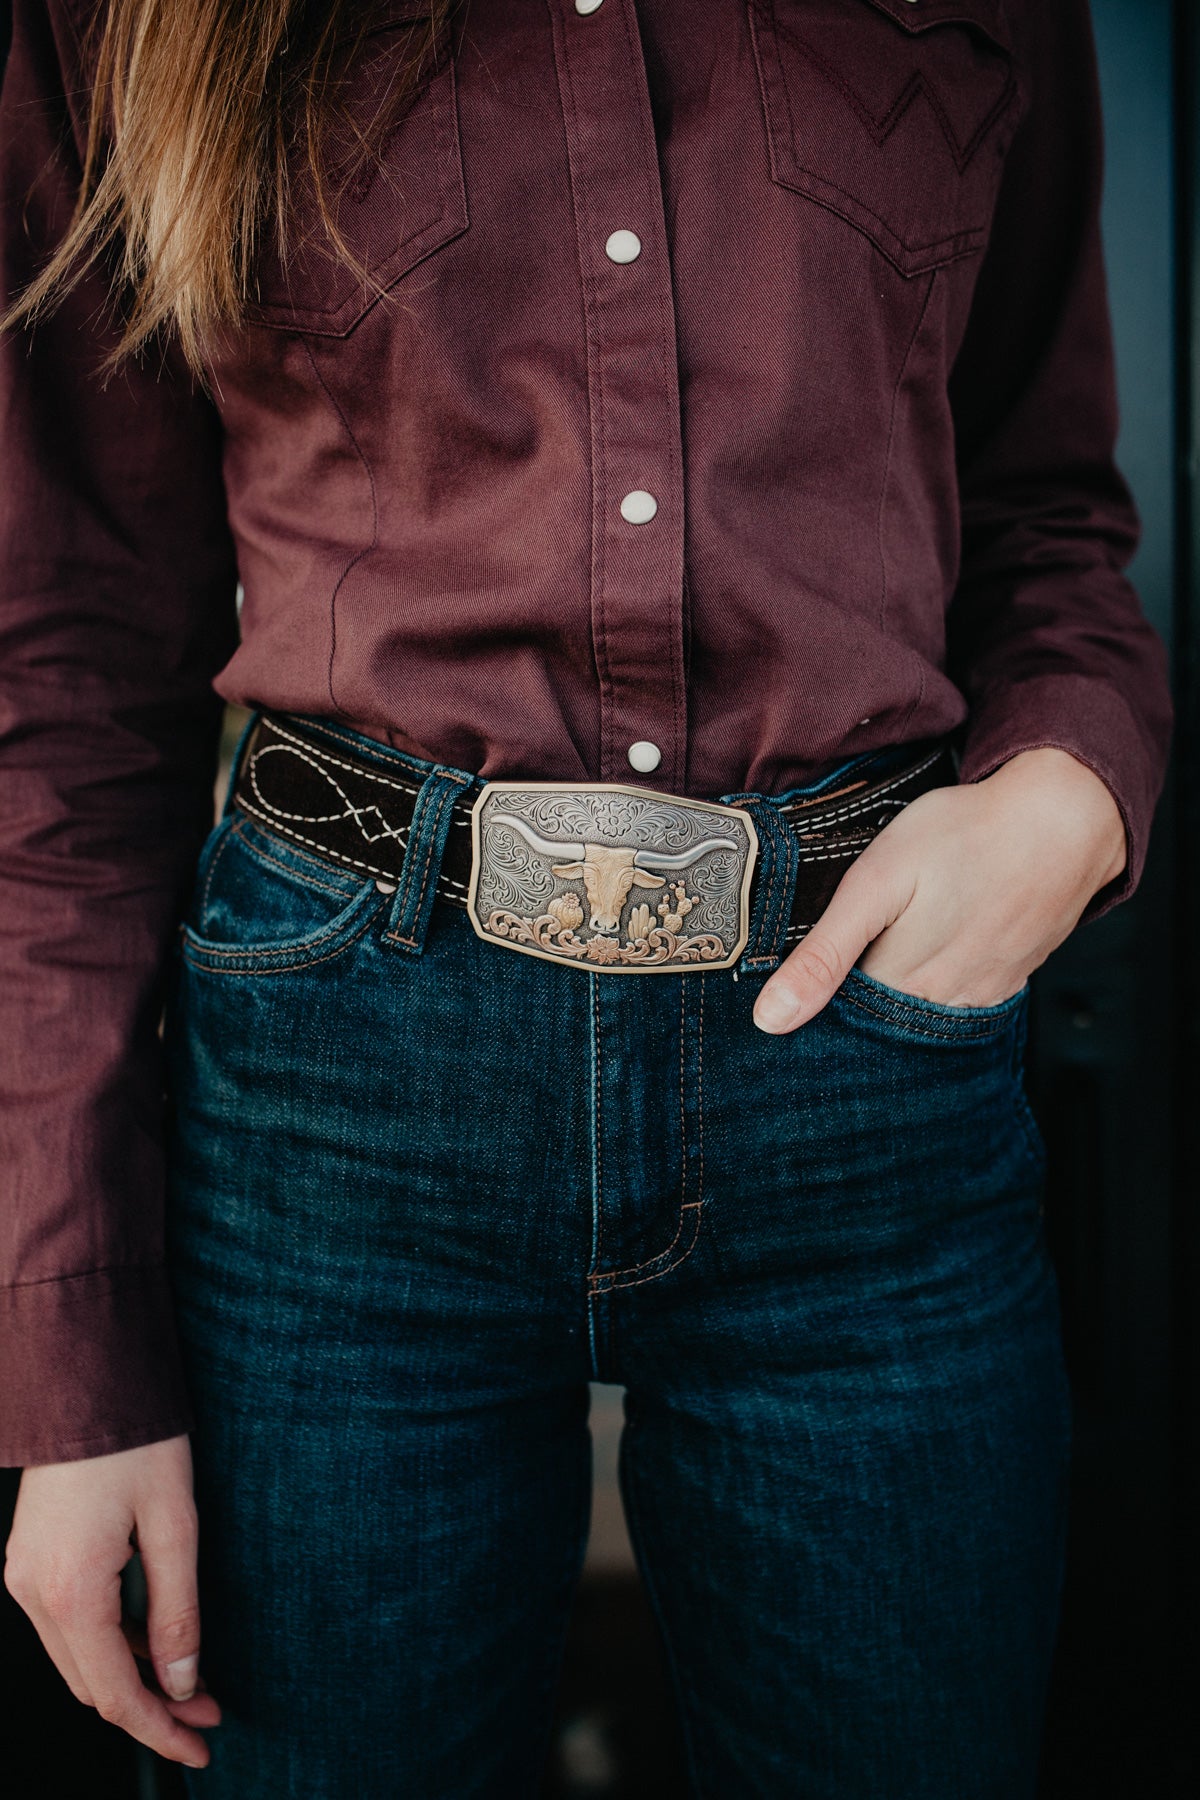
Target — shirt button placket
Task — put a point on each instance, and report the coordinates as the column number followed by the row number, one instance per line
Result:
column 633, row 389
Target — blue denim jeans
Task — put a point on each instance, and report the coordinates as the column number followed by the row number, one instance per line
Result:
column 420, row 1198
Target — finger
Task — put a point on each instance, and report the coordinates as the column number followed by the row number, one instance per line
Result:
column 26, row 1591
column 201, row 1712
column 202, row 1709
column 870, row 896
column 168, row 1547
column 55, row 1646
column 90, row 1623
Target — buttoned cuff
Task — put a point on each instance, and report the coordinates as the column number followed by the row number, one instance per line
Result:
column 91, row 1365
column 1091, row 720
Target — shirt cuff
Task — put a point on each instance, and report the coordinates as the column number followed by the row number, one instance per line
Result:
column 1089, row 719
column 91, row 1365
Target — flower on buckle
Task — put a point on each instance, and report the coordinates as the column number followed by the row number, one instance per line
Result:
column 603, row 950
column 611, row 815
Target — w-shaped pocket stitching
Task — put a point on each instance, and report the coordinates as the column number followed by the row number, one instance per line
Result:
column 895, row 117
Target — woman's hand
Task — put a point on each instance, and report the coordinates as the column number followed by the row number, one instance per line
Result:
column 965, row 892
column 70, row 1540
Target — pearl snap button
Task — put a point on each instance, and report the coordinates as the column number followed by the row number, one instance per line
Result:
column 623, row 246
column 639, row 507
column 586, row 6
column 644, row 757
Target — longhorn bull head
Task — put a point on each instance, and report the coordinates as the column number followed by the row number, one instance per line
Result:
column 608, row 874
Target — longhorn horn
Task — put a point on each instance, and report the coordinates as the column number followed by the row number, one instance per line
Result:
column 654, row 859
column 558, row 849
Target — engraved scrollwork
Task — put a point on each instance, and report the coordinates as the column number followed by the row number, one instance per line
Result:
column 718, row 884
column 544, row 933
column 555, row 816
column 719, row 876
column 666, row 828
column 514, row 874
column 625, row 817
column 549, row 934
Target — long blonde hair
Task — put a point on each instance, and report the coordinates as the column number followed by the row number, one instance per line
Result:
column 196, row 108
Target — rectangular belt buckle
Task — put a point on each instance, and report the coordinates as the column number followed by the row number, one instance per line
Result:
column 614, row 878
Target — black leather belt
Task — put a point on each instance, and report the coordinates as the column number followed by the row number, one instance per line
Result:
column 598, row 874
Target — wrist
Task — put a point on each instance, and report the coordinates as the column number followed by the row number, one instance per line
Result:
column 1077, row 806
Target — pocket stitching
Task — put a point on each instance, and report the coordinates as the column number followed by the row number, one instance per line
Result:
column 964, row 1025
column 909, row 259
column 268, row 957
column 881, row 129
column 916, row 24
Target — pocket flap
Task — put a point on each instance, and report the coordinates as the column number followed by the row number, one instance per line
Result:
column 987, row 16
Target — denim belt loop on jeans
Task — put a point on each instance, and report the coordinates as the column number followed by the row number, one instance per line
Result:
column 417, row 884
column 775, row 887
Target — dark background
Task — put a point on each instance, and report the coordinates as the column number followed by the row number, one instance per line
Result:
column 1114, row 1070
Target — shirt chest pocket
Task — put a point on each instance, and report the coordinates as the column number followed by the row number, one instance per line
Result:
column 893, row 114
column 393, row 212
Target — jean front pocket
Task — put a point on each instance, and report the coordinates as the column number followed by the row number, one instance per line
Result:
column 912, row 1015
column 262, row 906
column 976, row 1053
column 893, row 115
column 950, row 1071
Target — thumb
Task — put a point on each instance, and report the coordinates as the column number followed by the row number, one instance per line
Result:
column 869, row 898
column 167, row 1542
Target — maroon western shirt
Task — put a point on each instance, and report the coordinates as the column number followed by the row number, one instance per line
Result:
column 816, row 284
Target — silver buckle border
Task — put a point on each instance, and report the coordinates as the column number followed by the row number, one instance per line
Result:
column 710, row 807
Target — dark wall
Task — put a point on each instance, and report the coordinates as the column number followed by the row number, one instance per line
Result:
column 1108, row 1043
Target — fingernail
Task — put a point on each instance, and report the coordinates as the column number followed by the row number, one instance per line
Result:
column 775, row 1009
column 179, row 1678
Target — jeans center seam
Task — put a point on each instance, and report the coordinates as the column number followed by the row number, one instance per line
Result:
column 651, row 1268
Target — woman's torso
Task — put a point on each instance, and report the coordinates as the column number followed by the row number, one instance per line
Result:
column 425, row 489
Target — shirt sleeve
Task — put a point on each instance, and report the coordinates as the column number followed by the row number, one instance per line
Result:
column 1046, row 636
column 117, row 606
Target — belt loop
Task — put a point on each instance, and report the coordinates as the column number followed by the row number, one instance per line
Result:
column 427, row 834
column 775, row 887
